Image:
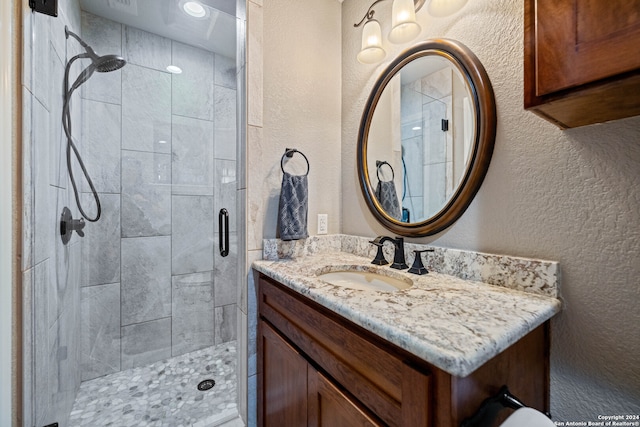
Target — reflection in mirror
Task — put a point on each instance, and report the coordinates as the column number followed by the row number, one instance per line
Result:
column 420, row 139
column 426, row 137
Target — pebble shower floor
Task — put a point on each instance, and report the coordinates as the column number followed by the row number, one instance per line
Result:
column 164, row 393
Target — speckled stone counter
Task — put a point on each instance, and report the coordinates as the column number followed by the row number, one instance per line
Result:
column 453, row 323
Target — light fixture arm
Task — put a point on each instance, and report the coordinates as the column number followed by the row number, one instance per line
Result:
column 370, row 12
column 369, row 15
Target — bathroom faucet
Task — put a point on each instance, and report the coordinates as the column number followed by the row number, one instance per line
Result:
column 399, row 262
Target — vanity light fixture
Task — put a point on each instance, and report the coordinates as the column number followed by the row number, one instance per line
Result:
column 404, row 28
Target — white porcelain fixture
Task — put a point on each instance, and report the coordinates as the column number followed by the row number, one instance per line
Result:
column 527, row 417
column 364, row 280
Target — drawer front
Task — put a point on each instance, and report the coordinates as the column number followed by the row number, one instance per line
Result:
column 365, row 369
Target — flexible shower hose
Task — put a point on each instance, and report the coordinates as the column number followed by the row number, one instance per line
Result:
column 66, row 122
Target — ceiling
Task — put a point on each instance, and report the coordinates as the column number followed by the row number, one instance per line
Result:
column 216, row 32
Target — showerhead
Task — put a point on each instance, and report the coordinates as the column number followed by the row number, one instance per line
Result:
column 107, row 63
column 102, row 64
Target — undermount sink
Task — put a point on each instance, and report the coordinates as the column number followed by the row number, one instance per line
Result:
column 364, row 280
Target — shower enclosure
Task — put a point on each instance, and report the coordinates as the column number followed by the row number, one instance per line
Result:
column 133, row 319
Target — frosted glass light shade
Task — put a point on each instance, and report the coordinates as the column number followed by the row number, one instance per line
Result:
column 372, row 50
column 440, row 8
column 404, row 27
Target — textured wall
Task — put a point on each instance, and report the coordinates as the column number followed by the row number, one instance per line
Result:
column 571, row 196
column 293, row 101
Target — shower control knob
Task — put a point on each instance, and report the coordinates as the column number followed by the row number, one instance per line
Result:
column 68, row 225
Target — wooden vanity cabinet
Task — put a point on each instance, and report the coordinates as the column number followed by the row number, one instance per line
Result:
column 316, row 368
column 581, row 60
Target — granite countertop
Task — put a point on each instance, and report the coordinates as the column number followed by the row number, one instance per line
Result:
column 454, row 324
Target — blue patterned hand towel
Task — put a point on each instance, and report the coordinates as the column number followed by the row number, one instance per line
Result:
column 388, row 198
column 292, row 211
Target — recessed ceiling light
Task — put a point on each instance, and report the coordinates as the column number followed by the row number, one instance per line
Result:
column 195, row 9
column 173, row 69
column 416, row 128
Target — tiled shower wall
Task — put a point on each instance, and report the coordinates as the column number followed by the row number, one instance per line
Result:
column 51, row 270
column 161, row 149
column 427, row 149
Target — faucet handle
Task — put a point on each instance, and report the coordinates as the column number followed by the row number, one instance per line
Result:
column 379, row 259
column 417, row 267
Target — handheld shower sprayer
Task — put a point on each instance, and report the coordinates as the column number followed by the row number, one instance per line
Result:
column 101, row 64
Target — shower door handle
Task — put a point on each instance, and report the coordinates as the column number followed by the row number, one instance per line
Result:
column 223, row 229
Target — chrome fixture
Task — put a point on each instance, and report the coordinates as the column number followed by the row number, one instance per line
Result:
column 399, row 262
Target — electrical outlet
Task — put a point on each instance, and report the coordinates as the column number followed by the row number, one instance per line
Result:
column 323, row 223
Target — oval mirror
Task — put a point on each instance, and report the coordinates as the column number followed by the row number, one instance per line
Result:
column 426, row 138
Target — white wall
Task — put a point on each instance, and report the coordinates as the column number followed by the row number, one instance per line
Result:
column 571, row 196
column 302, row 101
column 293, row 101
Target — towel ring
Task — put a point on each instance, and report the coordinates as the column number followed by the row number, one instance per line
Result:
column 289, row 152
column 379, row 164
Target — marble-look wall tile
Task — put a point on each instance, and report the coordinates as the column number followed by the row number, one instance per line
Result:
column 28, row 329
column 146, row 194
column 101, row 130
column 145, row 343
column 43, row 196
column 434, row 188
column 225, row 123
column 66, row 357
column 42, row 50
column 146, row 109
column 192, row 312
column 192, row 236
column 225, row 191
column 413, row 160
column 192, row 91
column 252, row 400
column 146, row 49
column 100, row 330
column 226, row 273
column 225, row 71
column 252, row 321
column 242, row 363
column 192, row 156
column 435, row 141
column 101, row 243
column 254, row 65
column 241, row 130
column 225, row 324
column 28, row 170
column 439, row 84
column 58, row 139
column 105, row 37
column 146, row 279
column 42, row 386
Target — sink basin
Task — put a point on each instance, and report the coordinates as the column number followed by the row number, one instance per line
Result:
column 364, row 281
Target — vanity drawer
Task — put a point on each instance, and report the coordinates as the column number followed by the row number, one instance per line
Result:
column 368, row 368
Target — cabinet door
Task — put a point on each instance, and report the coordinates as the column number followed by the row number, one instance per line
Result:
column 330, row 407
column 283, row 387
column 582, row 41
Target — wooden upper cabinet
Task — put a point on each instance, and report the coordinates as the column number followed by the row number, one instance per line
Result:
column 582, row 60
